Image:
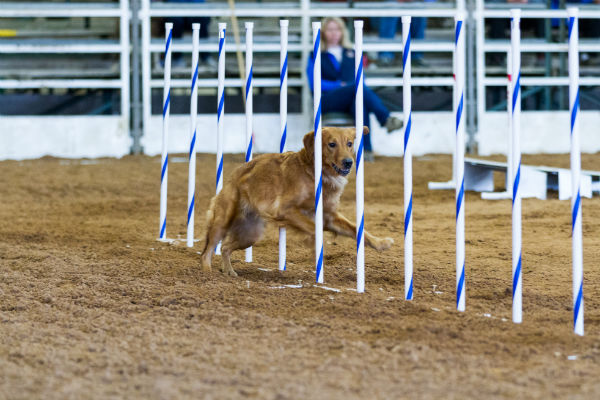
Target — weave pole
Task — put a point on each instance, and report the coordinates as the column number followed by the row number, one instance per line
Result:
column 316, row 27
column 517, row 292
column 283, row 62
column 406, row 107
column 509, row 153
column 360, row 168
column 220, row 109
column 249, row 120
column 164, row 160
column 460, row 71
column 573, row 14
column 193, row 118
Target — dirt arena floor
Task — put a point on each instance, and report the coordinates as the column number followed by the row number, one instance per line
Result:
column 92, row 306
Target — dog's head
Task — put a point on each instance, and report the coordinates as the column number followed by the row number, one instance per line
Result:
column 337, row 149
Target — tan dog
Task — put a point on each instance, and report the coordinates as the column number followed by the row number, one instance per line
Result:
column 280, row 188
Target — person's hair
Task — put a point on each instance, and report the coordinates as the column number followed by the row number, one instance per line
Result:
column 345, row 42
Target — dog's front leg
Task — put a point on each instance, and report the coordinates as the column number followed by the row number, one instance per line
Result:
column 341, row 225
column 298, row 220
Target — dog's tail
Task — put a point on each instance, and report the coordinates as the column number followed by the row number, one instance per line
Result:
column 210, row 219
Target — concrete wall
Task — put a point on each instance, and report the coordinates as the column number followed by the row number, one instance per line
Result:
column 433, row 132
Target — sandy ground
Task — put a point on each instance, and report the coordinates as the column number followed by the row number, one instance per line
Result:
column 92, row 306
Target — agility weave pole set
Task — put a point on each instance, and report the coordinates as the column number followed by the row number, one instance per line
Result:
column 220, row 125
column 459, row 70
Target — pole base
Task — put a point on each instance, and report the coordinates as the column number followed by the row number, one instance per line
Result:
column 441, row 185
column 495, row 195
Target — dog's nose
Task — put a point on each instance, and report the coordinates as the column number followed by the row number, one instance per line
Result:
column 347, row 163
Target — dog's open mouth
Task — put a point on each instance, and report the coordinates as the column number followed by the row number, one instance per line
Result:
column 342, row 172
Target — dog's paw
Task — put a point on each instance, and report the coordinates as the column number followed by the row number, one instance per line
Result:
column 231, row 272
column 384, row 244
column 206, row 267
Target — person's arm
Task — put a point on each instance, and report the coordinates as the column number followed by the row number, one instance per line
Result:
column 326, row 85
column 310, row 66
column 330, row 85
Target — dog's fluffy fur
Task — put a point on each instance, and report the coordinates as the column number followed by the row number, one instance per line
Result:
column 280, row 188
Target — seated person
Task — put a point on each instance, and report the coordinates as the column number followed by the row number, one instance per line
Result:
column 337, row 80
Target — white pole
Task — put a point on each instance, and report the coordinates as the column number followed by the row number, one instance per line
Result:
column 192, row 156
column 406, row 106
column 164, row 161
column 509, row 151
column 517, row 310
column 220, row 111
column 124, row 61
column 146, row 69
column 460, row 67
column 360, row 168
column 316, row 27
column 283, row 61
column 573, row 14
column 249, row 123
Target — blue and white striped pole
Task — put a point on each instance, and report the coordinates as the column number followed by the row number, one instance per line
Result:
column 316, row 27
column 406, row 107
column 573, row 14
column 283, row 62
column 164, row 160
column 220, row 111
column 192, row 153
column 517, row 284
column 459, row 68
column 360, row 169
column 249, row 122
column 509, row 152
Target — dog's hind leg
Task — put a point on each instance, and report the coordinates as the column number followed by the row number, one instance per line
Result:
column 218, row 220
column 244, row 231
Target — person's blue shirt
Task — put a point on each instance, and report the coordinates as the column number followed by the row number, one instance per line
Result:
column 333, row 73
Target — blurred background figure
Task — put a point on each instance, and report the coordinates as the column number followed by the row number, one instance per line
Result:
column 337, row 80
column 183, row 24
column 388, row 28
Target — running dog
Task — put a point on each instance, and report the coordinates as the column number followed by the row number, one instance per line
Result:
column 280, row 188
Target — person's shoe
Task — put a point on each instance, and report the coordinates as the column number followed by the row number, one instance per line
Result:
column 385, row 61
column 210, row 62
column 419, row 62
column 393, row 124
column 369, row 156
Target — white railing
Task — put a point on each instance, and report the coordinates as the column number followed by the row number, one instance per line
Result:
column 483, row 46
column 73, row 46
column 305, row 10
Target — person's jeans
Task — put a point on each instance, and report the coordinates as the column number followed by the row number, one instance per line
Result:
column 387, row 30
column 180, row 24
column 343, row 100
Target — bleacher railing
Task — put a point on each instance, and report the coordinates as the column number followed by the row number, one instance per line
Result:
column 534, row 10
column 93, row 10
column 305, row 10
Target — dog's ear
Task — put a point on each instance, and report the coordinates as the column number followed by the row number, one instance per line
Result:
column 365, row 130
column 309, row 142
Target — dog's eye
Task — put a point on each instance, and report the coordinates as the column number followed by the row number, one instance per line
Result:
column 332, row 145
column 349, row 144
